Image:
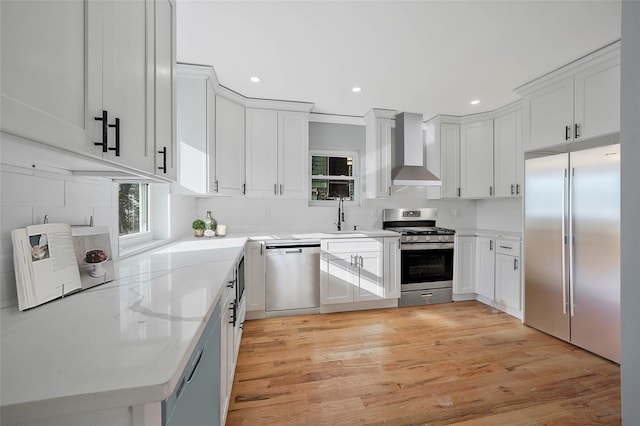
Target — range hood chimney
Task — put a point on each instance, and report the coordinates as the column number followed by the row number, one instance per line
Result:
column 410, row 166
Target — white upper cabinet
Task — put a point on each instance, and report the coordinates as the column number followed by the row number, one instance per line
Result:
column 121, row 81
column 165, row 90
column 194, row 124
column 277, row 153
column 450, row 162
column 476, row 159
column 576, row 102
column 597, row 100
column 262, row 152
column 107, row 87
column 378, row 153
column 508, row 160
column 293, row 154
column 549, row 113
column 43, row 85
column 230, row 147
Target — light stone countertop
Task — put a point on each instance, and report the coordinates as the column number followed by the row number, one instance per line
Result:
column 125, row 342
column 470, row 232
column 119, row 344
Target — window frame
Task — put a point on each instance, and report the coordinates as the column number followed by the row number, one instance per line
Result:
column 355, row 156
column 129, row 241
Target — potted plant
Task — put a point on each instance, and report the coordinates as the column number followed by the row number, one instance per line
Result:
column 198, row 227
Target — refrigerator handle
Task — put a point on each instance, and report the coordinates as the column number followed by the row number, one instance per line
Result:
column 564, row 241
column 572, row 306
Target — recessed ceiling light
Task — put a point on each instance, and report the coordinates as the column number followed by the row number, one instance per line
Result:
column 255, row 79
column 356, row 89
column 475, row 102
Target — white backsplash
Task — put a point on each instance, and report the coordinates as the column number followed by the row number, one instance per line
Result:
column 286, row 216
column 28, row 194
column 501, row 214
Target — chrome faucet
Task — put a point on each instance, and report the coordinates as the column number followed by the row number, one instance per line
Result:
column 340, row 213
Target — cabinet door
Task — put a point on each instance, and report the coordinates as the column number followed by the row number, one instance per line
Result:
column 192, row 132
column 485, row 267
column 227, row 352
column 450, row 167
column 127, row 81
column 293, row 154
column 476, row 159
column 508, row 281
column 336, row 278
column 262, row 152
column 392, row 268
column 507, row 147
column 378, row 156
column 464, row 272
column 230, row 151
column 241, row 312
column 211, row 139
column 165, row 92
column 44, row 84
column 255, row 283
column 198, row 401
column 369, row 276
column 547, row 113
column 597, row 100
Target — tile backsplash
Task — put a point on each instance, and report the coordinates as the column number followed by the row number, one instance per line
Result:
column 28, row 194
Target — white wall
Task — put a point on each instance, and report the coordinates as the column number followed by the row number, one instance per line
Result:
column 503, row 214
column 630, row 211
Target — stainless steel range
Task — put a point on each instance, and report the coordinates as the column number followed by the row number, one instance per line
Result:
column 426, row 256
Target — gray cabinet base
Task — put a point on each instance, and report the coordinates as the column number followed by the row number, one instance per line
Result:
column 426, row 297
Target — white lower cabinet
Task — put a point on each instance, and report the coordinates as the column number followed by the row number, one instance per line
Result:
column 392, row 267
column 493, row 265
column 465, row 267
column 485, row 267
column 507, row 273
column 351, row 270
column 255, row 278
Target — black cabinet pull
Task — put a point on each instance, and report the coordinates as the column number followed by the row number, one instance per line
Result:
column 104, row 131
column 517, row 189
column 117, row 147
column 576, row 130
column 164, row 159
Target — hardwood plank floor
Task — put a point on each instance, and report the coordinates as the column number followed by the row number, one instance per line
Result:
column 460, row 363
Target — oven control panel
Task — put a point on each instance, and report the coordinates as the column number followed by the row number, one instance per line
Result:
column 426, row 239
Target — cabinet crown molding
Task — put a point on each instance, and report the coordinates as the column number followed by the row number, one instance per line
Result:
column 603, row 54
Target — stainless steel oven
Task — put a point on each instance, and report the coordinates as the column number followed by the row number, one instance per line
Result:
column 426, row 256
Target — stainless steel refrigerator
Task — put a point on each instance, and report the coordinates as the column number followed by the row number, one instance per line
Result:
column 572, row 248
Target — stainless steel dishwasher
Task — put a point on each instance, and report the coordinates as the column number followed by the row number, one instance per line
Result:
column 292, row 277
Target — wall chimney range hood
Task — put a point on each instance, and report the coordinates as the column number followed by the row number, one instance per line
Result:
column 410, row 166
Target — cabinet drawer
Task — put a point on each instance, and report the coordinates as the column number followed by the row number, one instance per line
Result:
column 352, row 245
column 508, row 247
column 426, row 297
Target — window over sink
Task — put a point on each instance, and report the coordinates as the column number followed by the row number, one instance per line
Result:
column 334, row 175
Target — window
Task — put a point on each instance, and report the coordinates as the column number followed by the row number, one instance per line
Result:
column 133, row 208
column 333, row 176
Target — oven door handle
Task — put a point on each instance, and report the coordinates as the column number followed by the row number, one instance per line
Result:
column 426, row 246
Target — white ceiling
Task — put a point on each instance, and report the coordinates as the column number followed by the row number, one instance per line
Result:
column 430, row 57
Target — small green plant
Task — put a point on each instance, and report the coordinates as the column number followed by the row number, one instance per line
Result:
column 198, row 224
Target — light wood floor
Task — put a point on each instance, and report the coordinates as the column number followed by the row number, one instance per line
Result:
column 458, row 363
